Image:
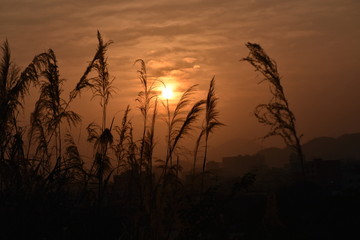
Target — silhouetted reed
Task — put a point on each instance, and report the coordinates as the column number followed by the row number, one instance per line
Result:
column 210, row 123
column 276, row 113
column 14, row 86
column 52, row 167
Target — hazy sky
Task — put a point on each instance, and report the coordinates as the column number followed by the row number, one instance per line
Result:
column 315, row 43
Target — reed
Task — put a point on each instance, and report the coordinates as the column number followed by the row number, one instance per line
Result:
column 276, row 113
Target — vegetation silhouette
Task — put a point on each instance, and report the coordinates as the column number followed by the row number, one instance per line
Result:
column 47, row 191
column 276, row 113
column 210, row 123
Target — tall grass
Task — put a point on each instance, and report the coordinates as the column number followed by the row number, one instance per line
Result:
column 51, row 165
column 14, row 87
column 102, row 87
column 276, row 113
column 211, row 122
column 180, row 123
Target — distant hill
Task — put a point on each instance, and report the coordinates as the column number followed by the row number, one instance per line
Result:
column 345, row 147
column 232, row 148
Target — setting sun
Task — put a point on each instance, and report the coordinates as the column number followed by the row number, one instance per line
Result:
column 167, row 93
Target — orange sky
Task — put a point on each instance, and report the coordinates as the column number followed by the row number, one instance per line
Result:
column 315, row 43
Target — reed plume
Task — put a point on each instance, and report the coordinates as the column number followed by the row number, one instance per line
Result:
column 276, row 113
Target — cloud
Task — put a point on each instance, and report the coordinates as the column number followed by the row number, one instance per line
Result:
column 159, row 64
column 189, row 59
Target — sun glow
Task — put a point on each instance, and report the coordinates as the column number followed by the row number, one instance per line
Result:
column 167, row 93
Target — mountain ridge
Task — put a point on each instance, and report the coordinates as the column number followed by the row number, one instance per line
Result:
column 344, row 147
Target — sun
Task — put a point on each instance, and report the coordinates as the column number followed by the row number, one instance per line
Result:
column 167, row 93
